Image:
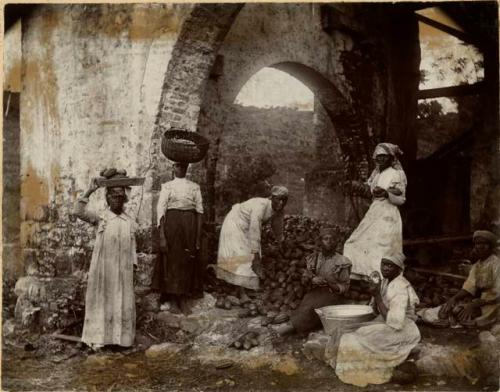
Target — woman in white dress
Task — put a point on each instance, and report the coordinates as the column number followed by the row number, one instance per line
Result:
column 370, row 354
column 381, row 230
column 238, row 260
column 110, row 300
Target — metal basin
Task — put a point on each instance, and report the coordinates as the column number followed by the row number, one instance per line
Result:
column 337, row 316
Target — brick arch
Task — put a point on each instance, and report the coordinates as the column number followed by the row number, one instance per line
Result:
column 192, row 59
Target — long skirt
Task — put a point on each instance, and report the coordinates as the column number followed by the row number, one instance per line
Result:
column 369, row 355
column 180, row 270
column 379, row 234
column 304, row 318
column 234, row 259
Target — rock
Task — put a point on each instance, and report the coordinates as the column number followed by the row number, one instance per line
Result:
column 449, row 361
column 314, row 347
column 164, row 349
column 288, row 365
column 145, row 268
column 98, row 360
column 32, row 288
column 487, row 338
column 202, row 305
column 47, row 303
column 261, row 356
column 8, row 328
column 223, row 364
column 25, row 312
column 495, row 331
column 150, row 302
column 169, row 319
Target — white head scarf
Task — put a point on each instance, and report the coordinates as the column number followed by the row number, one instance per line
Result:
column 392, row 150
column 397, row 258
column 389, row 149
column 279, row 191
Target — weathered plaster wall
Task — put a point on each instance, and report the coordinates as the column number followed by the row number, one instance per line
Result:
column 12, row 59
column 91, row 84
column 11, row 260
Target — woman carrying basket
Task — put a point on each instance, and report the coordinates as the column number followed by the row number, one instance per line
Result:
column 179, row 271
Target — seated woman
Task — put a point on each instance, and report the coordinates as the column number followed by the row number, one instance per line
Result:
column 477, row 304
column 370, row 354
column 329, row 273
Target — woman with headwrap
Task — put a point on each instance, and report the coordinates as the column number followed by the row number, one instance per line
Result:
column 370, row 354
column 328, row 274
column 110, row 301
column 179, row 271
column 381, row 231
column 478, row 303
column 238, row 259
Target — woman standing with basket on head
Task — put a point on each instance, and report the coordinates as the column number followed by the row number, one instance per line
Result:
column 381, row 230
column 109, row 300
column 179, row 272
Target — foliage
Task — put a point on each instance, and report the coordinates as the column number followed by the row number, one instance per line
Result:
column 246, row 176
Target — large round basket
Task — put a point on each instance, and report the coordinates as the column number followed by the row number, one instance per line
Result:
column 180, row 145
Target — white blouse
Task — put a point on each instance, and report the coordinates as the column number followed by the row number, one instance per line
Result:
column 179, row 194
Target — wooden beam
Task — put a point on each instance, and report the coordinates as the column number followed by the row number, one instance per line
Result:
column 439, row 273
column 437, row 240
column 447, row 29
column 452, row 91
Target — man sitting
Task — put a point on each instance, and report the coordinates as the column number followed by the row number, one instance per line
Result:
column 477, row 303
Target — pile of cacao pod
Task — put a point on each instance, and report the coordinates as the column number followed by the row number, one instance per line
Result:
column 285, row 282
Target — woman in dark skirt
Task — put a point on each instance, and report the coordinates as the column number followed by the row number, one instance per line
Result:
column 179, row 271
column 329, row 274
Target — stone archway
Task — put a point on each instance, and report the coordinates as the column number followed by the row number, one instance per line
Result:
column 353, row 139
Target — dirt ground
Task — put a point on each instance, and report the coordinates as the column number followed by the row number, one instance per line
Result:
column 40, row 363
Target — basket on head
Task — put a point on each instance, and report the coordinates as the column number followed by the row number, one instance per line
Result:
column 181, row 145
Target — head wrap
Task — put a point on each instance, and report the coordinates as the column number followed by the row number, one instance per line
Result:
column 397, row 258
column 387, row 149
column 393, row 150
column 487, row 235
column 327, row 230
column 279, row 191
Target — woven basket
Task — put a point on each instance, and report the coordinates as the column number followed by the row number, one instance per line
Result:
column 180, row 145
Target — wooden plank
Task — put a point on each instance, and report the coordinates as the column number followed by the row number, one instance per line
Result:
column 447, row 29
column 439, row 273
column 451, row 91
column 67, row 337
column 133, row 181
column 436, row 240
